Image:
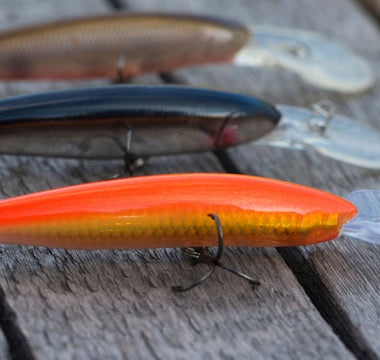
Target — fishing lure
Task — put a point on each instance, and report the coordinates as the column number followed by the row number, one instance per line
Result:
column 172, row 211
column 107, row 122
column 125, row 45
column 137, row 122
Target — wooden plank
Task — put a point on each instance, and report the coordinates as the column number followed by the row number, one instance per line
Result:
column 341, row 276
column 82, row 304
column 4, row 350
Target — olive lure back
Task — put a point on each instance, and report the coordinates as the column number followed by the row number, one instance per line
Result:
column 128, row 44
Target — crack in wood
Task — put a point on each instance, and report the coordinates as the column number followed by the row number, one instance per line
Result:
column 329, row 309
column 172, row 78
column 117, row 4
column 19, row 347
column 227, row 162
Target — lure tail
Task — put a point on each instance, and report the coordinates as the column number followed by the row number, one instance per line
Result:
column 366, row 225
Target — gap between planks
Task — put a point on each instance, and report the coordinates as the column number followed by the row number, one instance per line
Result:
column 18, row 345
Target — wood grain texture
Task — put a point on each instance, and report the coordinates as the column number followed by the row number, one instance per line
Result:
column 346, row 271
column 4, row 350
column 117, row 304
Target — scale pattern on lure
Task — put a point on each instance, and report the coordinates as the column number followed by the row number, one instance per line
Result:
column 172, row 211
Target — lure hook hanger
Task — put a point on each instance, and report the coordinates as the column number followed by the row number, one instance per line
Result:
column 201, row 255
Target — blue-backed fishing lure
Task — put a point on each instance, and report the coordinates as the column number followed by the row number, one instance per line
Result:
column 105, row 122
column 110, row 122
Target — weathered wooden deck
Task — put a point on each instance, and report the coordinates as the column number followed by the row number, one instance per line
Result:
column 319, row 301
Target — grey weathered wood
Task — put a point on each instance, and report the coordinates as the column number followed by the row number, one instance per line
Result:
column 82, row 304
column 4, row 351
column 346, row 270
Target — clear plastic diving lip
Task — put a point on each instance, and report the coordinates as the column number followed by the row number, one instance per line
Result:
column 332, row 135
column 366, row 225
column 318, row 60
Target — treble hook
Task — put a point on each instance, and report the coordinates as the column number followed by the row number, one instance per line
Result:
column 202, row 255
column 131, row 161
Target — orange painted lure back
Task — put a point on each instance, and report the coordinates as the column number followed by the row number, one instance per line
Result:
column 171, row 211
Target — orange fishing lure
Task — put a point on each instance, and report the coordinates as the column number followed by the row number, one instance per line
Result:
column 171, row 211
